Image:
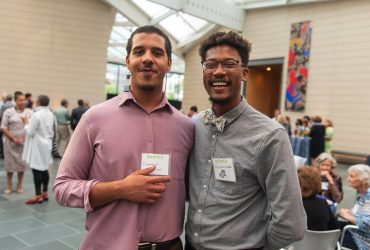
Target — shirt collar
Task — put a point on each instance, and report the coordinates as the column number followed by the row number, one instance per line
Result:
column 128, row 97
column 231, row 115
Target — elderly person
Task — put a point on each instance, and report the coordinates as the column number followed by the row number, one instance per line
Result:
column 359, row 179
column 13, row 129
column 331, row 183
column 319, row 215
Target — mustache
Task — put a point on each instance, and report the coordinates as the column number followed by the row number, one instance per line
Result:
column 211, row 81
column 146, row 67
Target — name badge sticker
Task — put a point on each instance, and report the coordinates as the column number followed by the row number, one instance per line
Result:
column 324, row 185
column 160, row 161
column 224, row 169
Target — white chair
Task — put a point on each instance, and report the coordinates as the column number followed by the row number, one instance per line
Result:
column 345, row 229
column 299, row 161
column 317, row 240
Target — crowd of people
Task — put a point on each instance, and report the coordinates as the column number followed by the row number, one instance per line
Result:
column 28, row 132
column 233, row 164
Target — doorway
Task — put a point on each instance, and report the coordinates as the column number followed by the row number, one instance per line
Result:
column 263, row 88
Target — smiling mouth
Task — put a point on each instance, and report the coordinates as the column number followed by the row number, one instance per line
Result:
column 218, row 84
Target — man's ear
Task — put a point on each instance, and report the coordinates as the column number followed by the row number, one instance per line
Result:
column 127, row 62
column 169, row 65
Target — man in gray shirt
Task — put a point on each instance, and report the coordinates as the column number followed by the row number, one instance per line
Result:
column 243, row 185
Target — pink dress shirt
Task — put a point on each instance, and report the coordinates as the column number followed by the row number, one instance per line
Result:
column 106, row 146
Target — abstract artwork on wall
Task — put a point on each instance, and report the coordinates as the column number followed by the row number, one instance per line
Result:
column 298, row 62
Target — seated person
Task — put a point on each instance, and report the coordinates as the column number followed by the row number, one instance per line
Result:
column 319, row 215
column 331, row 183
column 359, row 179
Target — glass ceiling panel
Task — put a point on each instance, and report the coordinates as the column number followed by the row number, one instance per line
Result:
column 177, row 26
column 151, row 9
column 195, row 23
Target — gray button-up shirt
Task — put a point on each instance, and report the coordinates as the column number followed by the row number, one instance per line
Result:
column 264, row 206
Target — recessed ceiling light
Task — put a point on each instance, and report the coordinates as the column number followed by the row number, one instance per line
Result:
column 268, row 69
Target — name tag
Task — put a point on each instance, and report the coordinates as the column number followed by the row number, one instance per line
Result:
column 324, row 186
column 160, row 161
column 224, row 169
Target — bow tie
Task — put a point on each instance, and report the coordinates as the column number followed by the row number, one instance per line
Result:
column 210, row 118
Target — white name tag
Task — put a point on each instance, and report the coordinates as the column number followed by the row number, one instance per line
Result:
column 224, row 169
column 324, row 185
column 160, row 161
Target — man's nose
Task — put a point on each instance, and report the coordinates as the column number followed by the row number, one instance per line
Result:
column 219, row 70
column 148, row 57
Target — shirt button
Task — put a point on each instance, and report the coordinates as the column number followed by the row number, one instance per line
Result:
column 204, row 186
column 196, row 234
column 149, row 117
column 209, row 161
column 150, row 140
column 199, row 210
column 213, row 136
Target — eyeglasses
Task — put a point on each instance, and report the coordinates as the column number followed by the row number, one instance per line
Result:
column 228, row 64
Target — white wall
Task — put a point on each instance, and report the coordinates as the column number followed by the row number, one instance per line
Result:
column 339, row 72
column 55, row 47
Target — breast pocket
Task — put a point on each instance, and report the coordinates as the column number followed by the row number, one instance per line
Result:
column 178, row 160
column 240, row 186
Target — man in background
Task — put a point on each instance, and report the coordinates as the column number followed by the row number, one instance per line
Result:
column 63, row 133
column 77, row 113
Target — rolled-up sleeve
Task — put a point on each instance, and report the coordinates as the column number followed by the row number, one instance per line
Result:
column 72, row 185
column 288, row 221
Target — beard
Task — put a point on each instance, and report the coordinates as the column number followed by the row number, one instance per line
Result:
column 146, row 87
column 218, row 101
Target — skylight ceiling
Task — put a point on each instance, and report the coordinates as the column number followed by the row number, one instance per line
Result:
column 178, row 25
column 174, row 18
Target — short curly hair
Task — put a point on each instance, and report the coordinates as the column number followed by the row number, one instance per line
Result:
column 231, row 39
column 309, row 181
column 326, row 156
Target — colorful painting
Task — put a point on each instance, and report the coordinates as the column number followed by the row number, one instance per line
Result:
column 298, row 61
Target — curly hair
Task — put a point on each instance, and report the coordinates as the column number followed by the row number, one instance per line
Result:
column 326, row 156
column 309, row 181
column 231, row 39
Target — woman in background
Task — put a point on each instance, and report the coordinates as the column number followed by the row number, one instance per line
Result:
column 37, row 149
column 319, row 215
column 13, row 129
column 331, row 183
column 329, row 133
column 359, row 179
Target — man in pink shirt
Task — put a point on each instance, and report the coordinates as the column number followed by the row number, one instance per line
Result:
column 104, row 169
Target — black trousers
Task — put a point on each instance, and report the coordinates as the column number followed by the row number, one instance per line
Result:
column 40, row 177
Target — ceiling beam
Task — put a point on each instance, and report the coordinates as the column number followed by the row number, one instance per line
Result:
column 161, row 17
column 130, row 11
column 188, row 43
column 215, row 11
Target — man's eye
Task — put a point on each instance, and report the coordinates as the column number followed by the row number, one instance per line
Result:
column 211, row 65
column 158, row 53
column 229, row 64
column 138, row 52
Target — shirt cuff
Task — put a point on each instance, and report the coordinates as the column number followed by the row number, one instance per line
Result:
column 90, row 185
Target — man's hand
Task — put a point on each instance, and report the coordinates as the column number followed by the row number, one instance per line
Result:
column 139, row 187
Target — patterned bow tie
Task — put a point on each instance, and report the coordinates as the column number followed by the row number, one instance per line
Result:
column 210, row 118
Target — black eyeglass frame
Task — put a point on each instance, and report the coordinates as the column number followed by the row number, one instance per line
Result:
column 222, row 64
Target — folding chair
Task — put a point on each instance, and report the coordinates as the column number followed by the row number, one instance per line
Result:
column 317, row 240
column 345, row 229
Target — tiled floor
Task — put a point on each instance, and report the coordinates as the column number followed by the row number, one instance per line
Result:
column 40, row 226
column 49, row 226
